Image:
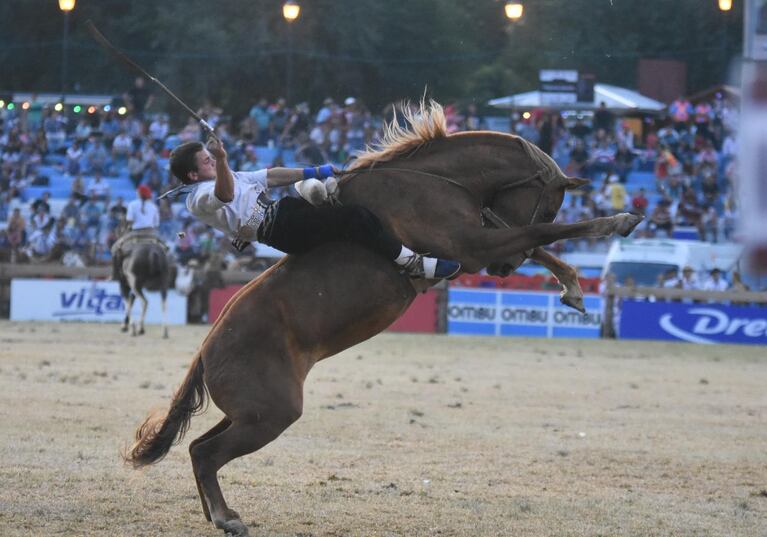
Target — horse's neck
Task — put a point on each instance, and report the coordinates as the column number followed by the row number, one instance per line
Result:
column 482, row 163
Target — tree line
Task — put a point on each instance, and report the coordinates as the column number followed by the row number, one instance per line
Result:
column 235, row 51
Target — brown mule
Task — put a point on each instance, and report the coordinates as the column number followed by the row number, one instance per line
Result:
column 256, row 357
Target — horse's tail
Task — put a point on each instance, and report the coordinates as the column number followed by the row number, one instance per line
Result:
column 158, row 433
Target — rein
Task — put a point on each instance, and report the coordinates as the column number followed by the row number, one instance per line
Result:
column 486, row 211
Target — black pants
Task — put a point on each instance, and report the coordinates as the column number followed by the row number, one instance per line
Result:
column 299, row 226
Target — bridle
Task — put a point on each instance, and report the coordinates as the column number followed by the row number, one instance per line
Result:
column 488, row 215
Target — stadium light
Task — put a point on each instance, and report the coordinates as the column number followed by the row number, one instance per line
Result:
column 11, row 106
column 514, row 9
column 77, row 109
column 2, row 103
column 122, row 110
column 25, row 105
column 67, row 5
column 725, row 5
column 59, row 107
column 291, row 10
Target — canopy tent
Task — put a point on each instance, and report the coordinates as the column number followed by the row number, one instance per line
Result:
column 616, row 98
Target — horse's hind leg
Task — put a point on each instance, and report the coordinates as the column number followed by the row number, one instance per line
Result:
column 219, row 428
column 251, row 429
column 144, row 304
column 128, row 309
column 572, row 294
column 165, row 314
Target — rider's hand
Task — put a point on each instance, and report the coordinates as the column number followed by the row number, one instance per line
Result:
column 216, row 148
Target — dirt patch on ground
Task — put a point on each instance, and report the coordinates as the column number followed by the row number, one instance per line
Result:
column 403, row 435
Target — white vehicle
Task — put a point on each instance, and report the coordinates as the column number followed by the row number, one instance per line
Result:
column 646, row 259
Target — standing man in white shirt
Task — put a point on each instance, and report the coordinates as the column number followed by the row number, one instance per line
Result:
column 143, row 218
column 237, row 204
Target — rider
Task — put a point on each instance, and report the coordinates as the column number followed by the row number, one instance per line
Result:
column 236, row 203
column 143, row 219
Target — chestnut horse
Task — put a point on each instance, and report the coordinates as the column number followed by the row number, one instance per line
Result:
column 429, row 189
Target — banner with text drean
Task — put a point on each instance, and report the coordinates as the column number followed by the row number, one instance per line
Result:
column 520, row 313
column 85, row 300
column 696, row 323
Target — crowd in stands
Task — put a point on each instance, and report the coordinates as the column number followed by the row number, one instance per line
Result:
column 681, row 175
column 66, row 178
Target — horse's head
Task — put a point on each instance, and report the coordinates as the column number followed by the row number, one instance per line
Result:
column 532, row 199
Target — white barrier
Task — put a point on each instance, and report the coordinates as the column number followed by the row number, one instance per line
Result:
column 85, row 300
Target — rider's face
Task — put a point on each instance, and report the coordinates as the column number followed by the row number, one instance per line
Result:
column 206, row 166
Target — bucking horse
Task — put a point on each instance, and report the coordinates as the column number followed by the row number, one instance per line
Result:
column 485, row 199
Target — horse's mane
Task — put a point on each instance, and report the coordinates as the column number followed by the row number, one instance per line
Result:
column 426, row 123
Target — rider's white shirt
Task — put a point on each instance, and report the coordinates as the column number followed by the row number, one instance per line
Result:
column 240, row 217
column 143, row 218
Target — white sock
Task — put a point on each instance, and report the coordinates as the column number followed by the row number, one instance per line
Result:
column 406, row 256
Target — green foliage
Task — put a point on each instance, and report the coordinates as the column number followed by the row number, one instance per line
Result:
column 235, row 51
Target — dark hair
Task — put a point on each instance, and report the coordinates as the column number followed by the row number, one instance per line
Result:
column 183, row 161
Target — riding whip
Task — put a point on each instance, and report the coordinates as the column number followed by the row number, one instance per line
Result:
column 104, row 42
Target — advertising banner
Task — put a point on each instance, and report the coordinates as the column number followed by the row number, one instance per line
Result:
column 696, row 323
column 520, row 313
column 85, row 300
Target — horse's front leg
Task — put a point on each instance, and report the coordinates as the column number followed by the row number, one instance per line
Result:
column 572, row 294
column 480, row 247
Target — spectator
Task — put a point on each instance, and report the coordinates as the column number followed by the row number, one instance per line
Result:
column 681, row 111
column 715, row 282
column 579, row 159
column 639, row 202
column 96, row 156
column 74, row 155
column 624, row 160
column 138, row 98
column 710, row 223
column 40, row 218
column 71, row 211
column 158, row 131
column 617, row 195
column 44, row 202
column 660, row 218
column 689, row 280
column 122, row 146
column 98, row 188
column 136, row 167
column 16, row 232
column 604, row 119
column 689, row 211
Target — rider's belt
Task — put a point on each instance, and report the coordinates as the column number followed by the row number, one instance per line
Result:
column 259, row 225
column 264, row 233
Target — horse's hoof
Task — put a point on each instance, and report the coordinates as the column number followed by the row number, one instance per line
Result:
column 233, row 527
column 141, row 332
column 575, row 302
column 165, row 334
column 124, row 329
column 627, row 223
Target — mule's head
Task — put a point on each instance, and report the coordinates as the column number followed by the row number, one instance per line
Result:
column 535, row 202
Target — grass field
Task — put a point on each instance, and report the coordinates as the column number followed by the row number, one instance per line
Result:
column 402, row 435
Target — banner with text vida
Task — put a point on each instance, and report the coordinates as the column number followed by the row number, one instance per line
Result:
column 85, row 300
column 520, row 313
column 696, row 323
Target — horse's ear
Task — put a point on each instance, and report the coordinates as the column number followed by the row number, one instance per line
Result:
column 575, row 182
